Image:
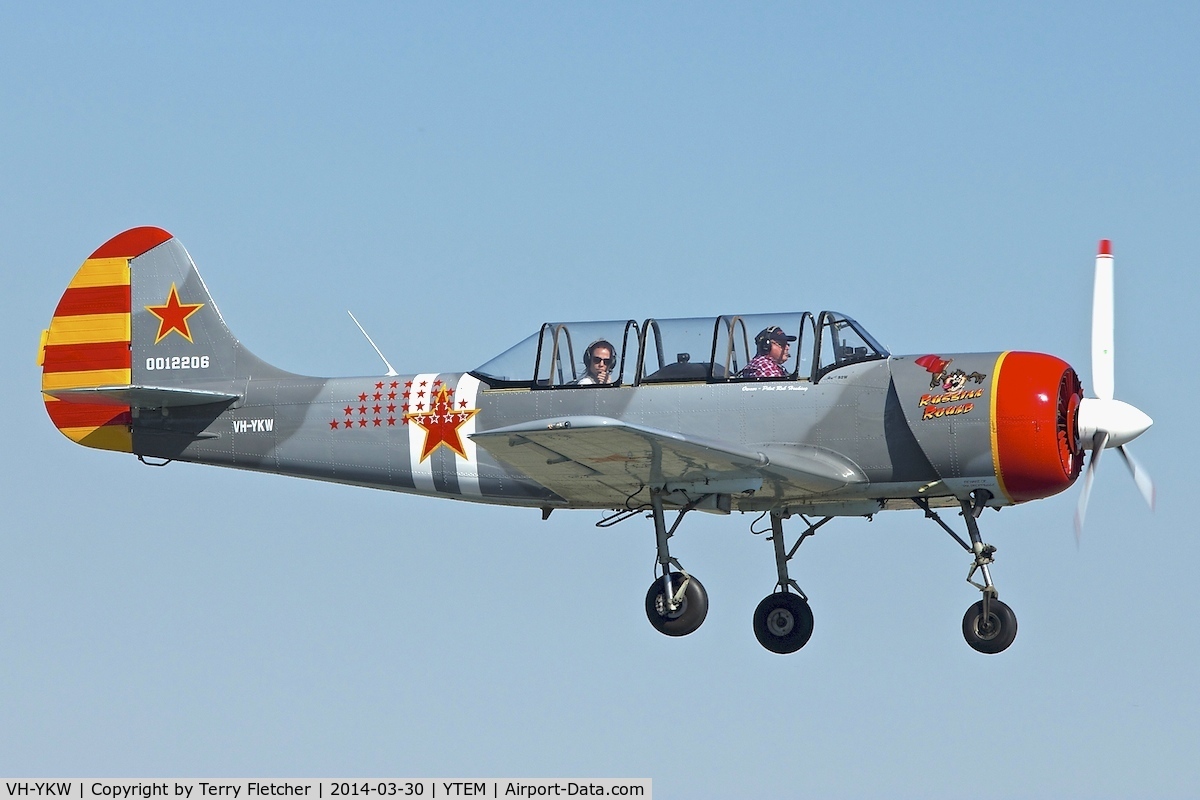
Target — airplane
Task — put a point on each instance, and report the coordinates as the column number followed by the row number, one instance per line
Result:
column 712, row 414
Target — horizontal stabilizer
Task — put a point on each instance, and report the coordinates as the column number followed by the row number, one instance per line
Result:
column 142, row 396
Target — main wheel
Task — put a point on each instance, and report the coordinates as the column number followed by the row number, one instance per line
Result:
column 993, row 633
column 687, row 617
column 783, row 622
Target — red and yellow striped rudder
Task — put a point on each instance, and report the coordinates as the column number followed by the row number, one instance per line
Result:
column 88, row 342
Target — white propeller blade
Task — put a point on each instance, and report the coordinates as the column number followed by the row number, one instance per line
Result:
column 1098, row 443
column 1140, row 477
column 1102, row 324
column 1103, row 421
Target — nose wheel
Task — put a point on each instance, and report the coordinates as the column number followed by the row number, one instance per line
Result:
column 989, row 626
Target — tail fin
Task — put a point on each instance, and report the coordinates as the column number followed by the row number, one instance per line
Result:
column 137, row 328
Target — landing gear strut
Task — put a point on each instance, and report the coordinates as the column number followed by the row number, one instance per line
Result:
column 783, row 621
column 676, row 603
column 989, row 626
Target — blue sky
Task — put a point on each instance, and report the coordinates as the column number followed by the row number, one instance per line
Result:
column 455, row 175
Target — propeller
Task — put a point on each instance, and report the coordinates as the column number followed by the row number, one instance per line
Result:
column 1103, row 421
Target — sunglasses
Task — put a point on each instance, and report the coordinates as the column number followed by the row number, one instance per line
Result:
column 598, row 360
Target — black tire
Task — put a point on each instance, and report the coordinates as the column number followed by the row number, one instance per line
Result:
column 993, row 634
column 783, row 622
column 687, row 617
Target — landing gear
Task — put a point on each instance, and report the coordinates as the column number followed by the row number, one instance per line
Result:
column 989, row 626
column 678, row 606
column 783, row 621
column 676, row 603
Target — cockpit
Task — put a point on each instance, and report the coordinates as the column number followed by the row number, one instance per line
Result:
column 699, row 349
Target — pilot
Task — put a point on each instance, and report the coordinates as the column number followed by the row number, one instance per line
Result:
column 598, row 363
column 774, row 347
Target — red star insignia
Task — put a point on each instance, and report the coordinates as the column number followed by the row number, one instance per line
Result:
column 391, row 420
column 362, row 398
column 441, row 426
column 391, row 407
column 348, row 423
column 408, row 384
column 362, row 423
column 334, row 424
column 377, row 396
column 394, row 384
column 173, row 315
column 377, row 420
column 391, row 395
column 379, row 385
column 377, row 408
column 349, row 411
column 362, row 409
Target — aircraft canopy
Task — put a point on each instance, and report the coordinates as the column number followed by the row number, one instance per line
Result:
column 680, row 350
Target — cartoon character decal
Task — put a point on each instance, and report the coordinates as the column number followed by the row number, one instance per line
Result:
column 954, row 398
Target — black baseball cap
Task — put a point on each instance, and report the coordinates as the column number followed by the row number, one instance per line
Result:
column 773, row 334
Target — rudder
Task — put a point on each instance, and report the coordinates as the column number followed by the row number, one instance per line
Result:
column 135, row 325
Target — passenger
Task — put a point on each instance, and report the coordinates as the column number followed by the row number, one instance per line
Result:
column 774, row 347
column 598, row 364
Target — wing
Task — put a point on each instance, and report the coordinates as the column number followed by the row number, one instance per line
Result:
column 604, row 462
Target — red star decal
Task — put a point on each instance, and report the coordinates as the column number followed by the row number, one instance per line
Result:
column 362, row 398
column 394, row 384
column 348, row 423
column 391, row 420
column 334, row 424
column 173, row 315
column 349, row 411
column 379, row 385
column 440, row 425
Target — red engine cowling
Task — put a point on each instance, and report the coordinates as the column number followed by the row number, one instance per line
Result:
column 1035, row 440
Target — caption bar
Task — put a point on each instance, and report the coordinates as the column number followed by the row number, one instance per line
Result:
column 109, row 789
